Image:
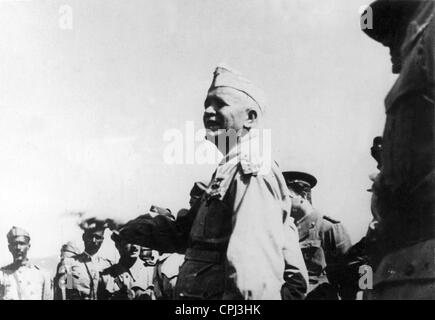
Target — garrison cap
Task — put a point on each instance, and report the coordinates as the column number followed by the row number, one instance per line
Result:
column 388, row 17
column 17, row 232
column 161, row 211
column 70, row 247
column 225, row 76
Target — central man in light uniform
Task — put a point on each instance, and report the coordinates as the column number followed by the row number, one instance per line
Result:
column 242, row 240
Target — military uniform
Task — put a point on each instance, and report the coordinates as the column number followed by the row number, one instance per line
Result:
column 165, row 275
column 323, row 240
column 121, row 283
column 405, row 188
column 79, row 275
column 324, row 243
column 239, row 222
column 236, row 241
column 26, row 282
column 22, row 280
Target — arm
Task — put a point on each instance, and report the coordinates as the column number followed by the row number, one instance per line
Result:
column 295, row 273
column 337, row 244
column 47, row 288
column 160, row 233
column 59, row 282
column 255, row 250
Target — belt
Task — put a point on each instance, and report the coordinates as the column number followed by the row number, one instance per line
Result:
column 210, row 256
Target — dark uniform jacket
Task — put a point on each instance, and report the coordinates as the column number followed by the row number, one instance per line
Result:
column 405, row 188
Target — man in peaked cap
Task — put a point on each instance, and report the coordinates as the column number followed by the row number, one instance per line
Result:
column 237, row 243
column 323, row 240
column 22, row 280
column 77, row 276
column 405, row 187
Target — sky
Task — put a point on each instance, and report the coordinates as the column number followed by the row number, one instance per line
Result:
column 89, row 89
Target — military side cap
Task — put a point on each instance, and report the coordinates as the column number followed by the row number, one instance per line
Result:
column 225, row 76
column 161, row 211
column 198, row 189
column 305, row 179
column 70, row 247
column 387, row 16
column 17, row 232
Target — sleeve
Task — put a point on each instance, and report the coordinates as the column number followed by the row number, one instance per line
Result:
column 59, row 282
column 429, row 48
column 295, row 285
column 2, row 286
column 160, row 233
column 255, row 250
column 157, row 282
column 101, row 289
column 338, row 243
column 47, row 288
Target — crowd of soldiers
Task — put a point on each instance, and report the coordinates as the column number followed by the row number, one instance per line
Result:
column 252, row 232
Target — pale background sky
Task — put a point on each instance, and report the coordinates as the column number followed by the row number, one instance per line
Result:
column 83, row 111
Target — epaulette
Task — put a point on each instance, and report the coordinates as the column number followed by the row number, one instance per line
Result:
column 330, row 219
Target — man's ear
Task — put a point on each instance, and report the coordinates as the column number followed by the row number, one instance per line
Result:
column 251, row 119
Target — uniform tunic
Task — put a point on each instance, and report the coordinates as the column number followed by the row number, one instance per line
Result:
column 238, row 242
column 405, row 188
column 27, row 282
column 121, row 283
column 78, row 276
column 324, row 243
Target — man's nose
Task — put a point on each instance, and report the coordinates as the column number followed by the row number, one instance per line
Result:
column 209, row 110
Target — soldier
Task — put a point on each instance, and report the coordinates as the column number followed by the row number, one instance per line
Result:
column 358, row 255
column 129, row 279
column 323, row 240
column 22, row 280
column 77, row 276
column 68, row 250
column 235, row 242
column 404, row 191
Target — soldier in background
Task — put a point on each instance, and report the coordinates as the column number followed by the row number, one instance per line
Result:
column 22, row 280
column 68, row 250
column 404, row 191
column 359, row 254
column 323, row 240
column 77, row 276
column 129, row 279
